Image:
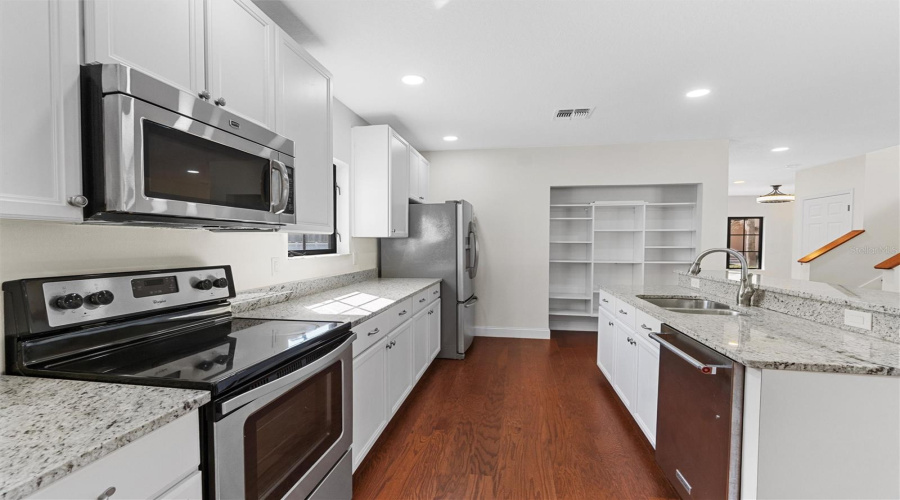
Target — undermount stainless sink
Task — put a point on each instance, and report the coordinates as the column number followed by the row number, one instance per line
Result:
column 691, row 305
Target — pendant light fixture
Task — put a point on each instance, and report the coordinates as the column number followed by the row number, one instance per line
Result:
column 775, row 196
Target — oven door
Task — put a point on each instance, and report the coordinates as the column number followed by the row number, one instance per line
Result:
column 281, row 440
column 160, row 163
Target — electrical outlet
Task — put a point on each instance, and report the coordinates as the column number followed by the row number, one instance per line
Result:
column 276, row 266
column 858, row 319
column 695, row 282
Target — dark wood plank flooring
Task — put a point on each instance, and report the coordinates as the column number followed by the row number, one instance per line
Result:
column 516, row 419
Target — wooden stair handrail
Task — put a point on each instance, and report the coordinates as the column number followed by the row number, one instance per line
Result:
column 889, row 263
column 831, row 246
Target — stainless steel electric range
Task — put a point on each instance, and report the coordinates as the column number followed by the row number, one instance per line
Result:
column 280, row 421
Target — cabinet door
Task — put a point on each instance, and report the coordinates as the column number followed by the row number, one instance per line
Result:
column 40, row 129
column 424, row 175
column 369, row 399
column 303, row 114
column 606, row 345
column 399, row 186
column 414, row 162
column 434, row 328
column 163, row 38
column 625, row 375
column 399, row 366
column 421, row 349
column 647, row 384
column 241, row 41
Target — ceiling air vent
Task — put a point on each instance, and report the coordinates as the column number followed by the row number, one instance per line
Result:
column 573, row 114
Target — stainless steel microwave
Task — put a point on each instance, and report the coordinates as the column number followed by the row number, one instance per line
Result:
column 155, row 155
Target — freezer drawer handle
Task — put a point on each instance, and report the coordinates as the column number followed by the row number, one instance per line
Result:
column 683, row 481
column 704, row 368
column 374, row 332
column 471, row 302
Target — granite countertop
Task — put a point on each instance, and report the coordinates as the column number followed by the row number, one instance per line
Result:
column 353, row 303
column 50, row 428
column 771, row 340
column 857, row 298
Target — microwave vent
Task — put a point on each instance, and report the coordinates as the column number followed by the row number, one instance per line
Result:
column 573, row 114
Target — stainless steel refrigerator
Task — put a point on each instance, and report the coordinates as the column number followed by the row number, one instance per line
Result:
column 442, row 243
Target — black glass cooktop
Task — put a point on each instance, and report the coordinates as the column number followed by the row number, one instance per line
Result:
column 215, row 358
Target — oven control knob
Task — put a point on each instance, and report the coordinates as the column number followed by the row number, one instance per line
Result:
column 70, row 301
column 101, row 298
column 203, row 285
column 221, row 283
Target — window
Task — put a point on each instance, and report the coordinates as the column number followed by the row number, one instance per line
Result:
column 745, row 236
column 315, row 244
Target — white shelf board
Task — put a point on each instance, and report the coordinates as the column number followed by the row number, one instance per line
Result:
column 569, row 261
column 568, row 205
column 670, row 247
column 570, row 313
column 571, row 218
column 617, row 230
column 573, row 242
column 570, row 296
column 673, row 204
column 617, row 262
column 680, row 262
column 618, row 203
column 669, row 230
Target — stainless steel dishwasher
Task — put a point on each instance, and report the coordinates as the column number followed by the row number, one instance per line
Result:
column 698, row 433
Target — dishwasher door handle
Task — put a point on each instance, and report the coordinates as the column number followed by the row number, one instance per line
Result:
column 708, row 369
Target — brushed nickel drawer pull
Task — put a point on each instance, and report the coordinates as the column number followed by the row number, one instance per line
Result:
column 645, row 327
column 403, row 312
column 421, row 300
column 375, row 331
column 622, row 312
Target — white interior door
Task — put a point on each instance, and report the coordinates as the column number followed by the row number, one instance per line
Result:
column 824, row 219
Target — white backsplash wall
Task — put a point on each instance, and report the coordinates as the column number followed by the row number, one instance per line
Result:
column 510, row 190
column 31, row 249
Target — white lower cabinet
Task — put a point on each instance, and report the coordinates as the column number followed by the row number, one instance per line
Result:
column 393, row 355
column 434, row 328
column 161, row 465
column 369, row 398
column 630, row 361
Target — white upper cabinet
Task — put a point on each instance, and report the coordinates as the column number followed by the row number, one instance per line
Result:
column 40, row 129
column 241, row 51
column 379, row 188
column 303, row 103
column 164, row 38
column 418, row 176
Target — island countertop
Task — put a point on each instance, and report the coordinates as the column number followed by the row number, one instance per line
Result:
column 766, row 339
column 352, row 303
column 50, row 428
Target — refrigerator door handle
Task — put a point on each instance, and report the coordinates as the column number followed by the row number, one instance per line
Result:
column 473, row 270
column 471, row 302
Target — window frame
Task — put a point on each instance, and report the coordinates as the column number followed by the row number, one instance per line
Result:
column 332, row 240
column 759, row 251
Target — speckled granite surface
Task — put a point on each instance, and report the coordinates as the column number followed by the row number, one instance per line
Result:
column 771, row 340
column 275, row 294
column 353, row 303
column 50, row 428
column 818, row 302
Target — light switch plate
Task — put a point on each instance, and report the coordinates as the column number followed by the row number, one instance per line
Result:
column 858, row 319
column 695, row 282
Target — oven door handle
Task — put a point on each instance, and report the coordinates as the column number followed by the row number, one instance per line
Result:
column 307, row 371
column 281, row 205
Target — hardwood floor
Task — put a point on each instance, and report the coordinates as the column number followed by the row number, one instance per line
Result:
column 516, row 419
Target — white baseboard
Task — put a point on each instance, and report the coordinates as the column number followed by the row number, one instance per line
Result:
column 512, row 333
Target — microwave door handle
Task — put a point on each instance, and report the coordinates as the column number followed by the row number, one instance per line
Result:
column 281, row 205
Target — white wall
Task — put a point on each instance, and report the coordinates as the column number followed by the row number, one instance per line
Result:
column 510, row 190
column 778, row 231
column 875, row 180
column 31, row 249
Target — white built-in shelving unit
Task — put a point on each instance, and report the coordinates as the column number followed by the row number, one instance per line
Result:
column 616, row 235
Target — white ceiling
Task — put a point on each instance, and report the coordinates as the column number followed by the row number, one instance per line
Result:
column 821, row 77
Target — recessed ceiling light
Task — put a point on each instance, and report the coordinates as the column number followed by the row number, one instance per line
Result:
column 193, row 171
column 413, row 80
column 780, row 149
column 698, row 93
column 739, row 182
column 450, row 138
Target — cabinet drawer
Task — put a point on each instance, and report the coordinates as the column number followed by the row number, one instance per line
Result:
column 607, row 302
column 422, row 299
column 143, row 469
column 625, row 314
column 372, row 330
column 644, row 324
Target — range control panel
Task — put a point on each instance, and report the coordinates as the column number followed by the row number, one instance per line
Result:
column 100, row 297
